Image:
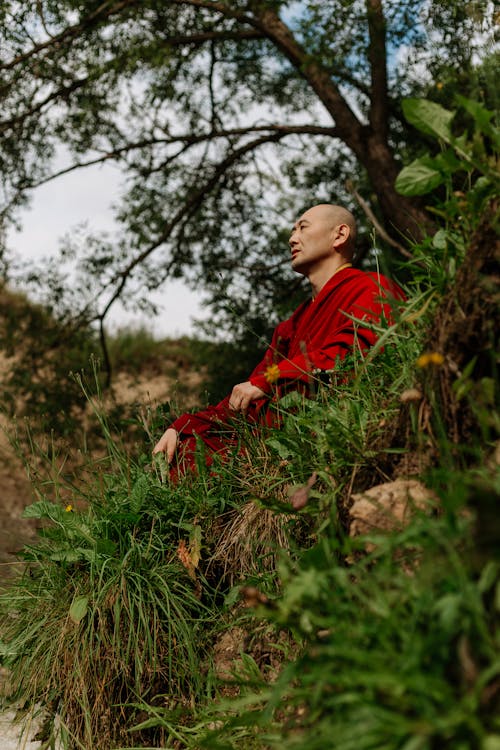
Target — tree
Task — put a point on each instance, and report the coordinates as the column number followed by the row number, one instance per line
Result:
column 227, row 118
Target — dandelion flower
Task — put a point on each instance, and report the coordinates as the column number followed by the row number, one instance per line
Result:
column 436, row 358
column 272, row 373
column 430, row 358
column 68, row 508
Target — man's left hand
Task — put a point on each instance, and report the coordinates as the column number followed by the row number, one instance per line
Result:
column 243, row 394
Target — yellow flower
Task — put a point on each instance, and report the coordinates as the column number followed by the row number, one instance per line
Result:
column 430, row 358
column 436, row 358
column 272, row 373
column 439, row 85
column 68, row 508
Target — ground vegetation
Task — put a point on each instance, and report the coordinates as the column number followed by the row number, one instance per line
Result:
column 252, row 604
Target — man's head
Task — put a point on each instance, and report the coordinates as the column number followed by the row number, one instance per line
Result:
column 322, row 240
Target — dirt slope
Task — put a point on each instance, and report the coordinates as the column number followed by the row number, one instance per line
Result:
column 15, row 489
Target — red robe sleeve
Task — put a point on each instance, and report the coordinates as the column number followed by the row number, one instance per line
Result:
column 317, row 334
column 202, row 423
column 326, row 329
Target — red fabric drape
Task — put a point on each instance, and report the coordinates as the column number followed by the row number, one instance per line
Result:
column 318, row 333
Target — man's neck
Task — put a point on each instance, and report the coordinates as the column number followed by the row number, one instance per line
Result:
column 318, row 279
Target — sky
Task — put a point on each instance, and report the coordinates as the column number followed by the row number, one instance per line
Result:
column 87, row 195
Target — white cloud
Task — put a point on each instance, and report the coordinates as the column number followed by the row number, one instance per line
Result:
column 86, row 196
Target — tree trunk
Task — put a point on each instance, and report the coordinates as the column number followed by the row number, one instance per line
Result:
column 369, row 143
column 402, row 217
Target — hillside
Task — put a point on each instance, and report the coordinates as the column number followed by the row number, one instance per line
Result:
column 164, row 374
column 334, row 575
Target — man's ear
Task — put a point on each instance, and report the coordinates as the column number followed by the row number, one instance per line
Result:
column 341, row 234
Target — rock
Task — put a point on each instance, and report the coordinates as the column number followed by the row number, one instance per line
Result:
column 389, row 506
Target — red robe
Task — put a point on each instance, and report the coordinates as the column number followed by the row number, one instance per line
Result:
column 319, row 333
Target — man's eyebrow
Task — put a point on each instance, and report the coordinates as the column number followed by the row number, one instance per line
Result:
column 299, row 222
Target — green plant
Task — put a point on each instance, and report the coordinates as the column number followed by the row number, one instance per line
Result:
column 106, row 610
column 462, row 178
column 401, row 648
column 400, row 630
column 387, row 640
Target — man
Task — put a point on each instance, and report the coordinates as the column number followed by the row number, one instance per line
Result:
column 319, row 333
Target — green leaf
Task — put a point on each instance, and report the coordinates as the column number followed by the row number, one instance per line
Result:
column 281, row 449
column 105, row 547
column 440, row 239
column 419, row 177
column 489, row 576
column 448, row 609
column 429, row 117
column 480, row 114
column 79, row 608
column 448, row 162
column 44, row 509
column 161, row 466
column 462, row 145
column 139, row 494
column 491, row 742
column 68, row 555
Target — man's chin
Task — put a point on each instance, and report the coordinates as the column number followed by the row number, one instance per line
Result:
column 299, row 268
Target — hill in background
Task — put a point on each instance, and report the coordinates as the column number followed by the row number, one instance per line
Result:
column 37, row 359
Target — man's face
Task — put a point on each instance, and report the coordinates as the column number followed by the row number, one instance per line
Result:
column 311, row 241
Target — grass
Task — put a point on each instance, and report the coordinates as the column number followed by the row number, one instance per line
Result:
column 105, row 611
column 113, row 628
column 393, row 658
column 387, row 641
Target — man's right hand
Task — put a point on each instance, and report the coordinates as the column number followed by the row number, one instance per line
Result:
column 167, row 444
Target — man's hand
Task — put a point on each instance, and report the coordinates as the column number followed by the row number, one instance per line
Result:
column 242, row 394
column 167, row 444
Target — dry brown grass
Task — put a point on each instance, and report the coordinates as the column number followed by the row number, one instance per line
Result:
column 248, row 541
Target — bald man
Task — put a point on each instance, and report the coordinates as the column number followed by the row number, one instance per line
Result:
column 318, row 334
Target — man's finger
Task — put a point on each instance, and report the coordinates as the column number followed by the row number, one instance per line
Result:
column 235, row 404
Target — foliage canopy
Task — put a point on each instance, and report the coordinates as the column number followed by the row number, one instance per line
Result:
column 227, row 118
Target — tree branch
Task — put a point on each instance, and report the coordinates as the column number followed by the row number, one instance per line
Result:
column 378, row 227
column 101, row 13
column 39, row 10
column 218, row 7
column 189, row 206
column 61, row 92
column 347, row 124
column 190, row 140
column 269, row 23
column 212, row 36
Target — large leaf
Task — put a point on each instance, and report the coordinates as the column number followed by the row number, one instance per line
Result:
column 429, row 117
column 69, row 555
column 419, row 177
column 44, row 509
column 78, row 608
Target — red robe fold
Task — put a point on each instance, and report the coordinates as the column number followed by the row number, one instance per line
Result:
column 318, row 334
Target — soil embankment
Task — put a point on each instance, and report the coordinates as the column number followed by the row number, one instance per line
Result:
column 17, row 492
